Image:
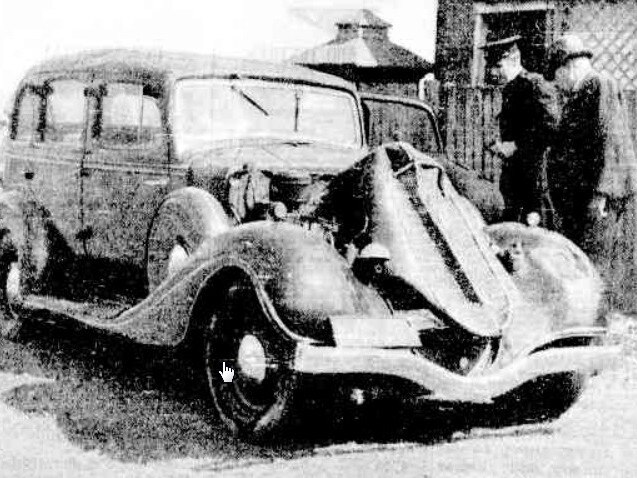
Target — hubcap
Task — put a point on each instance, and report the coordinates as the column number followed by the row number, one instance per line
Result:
column 252, row 358
column 176, row 259
column 13, row 282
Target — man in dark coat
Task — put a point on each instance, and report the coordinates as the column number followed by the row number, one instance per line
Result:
column 528, row 119
column 593, row 171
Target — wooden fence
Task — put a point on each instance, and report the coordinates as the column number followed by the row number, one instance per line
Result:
column 469, row 122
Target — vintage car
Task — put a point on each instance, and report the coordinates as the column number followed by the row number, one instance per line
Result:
column 239, row 207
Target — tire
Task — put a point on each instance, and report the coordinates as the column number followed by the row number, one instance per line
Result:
column 182, row 222
column 259, row 402
column 24, row 259
column 545, row 399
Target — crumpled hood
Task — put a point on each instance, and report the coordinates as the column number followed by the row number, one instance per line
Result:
column 403, row 200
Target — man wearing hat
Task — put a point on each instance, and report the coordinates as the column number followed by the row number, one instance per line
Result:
column 593, row 170
column 528, row 119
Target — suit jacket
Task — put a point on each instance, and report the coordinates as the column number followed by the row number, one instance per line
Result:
column 529, row 114
column 594, row 150
column 529, row 117
column 594, row 155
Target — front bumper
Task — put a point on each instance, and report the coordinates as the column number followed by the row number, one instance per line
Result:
column 447, row 386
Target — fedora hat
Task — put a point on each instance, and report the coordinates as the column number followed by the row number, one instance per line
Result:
column 566, row 48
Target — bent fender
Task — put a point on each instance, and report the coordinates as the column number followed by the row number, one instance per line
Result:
column 303, row 277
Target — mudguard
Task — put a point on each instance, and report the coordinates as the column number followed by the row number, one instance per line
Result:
column 561, row 288
column 298, row 277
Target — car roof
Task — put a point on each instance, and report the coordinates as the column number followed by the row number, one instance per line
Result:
column 159, row 66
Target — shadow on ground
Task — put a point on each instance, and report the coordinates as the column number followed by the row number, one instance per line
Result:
column 139, row 404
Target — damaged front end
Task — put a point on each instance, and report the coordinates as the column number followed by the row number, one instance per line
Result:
column 462, row 329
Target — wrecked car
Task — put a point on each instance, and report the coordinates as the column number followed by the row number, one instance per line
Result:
column 239, row 207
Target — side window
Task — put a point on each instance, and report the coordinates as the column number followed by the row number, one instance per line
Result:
column 65, row 110
column 130, row 118
column 27, row 116
column 399, row 121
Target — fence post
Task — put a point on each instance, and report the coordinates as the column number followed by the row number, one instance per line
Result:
column 450, row 125
column 431, row 94
column 630, row 103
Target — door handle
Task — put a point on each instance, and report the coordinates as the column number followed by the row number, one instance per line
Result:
column 85, row 172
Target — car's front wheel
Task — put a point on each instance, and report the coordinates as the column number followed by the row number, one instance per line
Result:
column 257, row 398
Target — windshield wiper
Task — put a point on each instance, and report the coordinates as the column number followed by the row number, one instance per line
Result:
column 297, row 142
column 249, row 99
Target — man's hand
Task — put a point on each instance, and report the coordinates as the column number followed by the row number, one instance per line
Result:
column 597, row 207
column 506, row 149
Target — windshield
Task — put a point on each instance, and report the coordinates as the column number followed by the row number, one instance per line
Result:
column 208, row 110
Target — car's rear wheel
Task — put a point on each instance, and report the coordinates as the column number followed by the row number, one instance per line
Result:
column 24, row 257
column 258, row 401
column 184, row 220
column 10, row 293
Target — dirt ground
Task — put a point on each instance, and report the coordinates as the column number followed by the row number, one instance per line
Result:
column 76, row 404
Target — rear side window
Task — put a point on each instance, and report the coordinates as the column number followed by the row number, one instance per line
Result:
column 65, row 112
column 27, row 116
column 130, row 118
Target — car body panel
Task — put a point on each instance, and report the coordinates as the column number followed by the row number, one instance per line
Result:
column 48, row 168
column 453, row 320
column 433, row 244
column 304, row 280
column 440, row 385
column 161, row 66
column 120, row 193
column 111, row 193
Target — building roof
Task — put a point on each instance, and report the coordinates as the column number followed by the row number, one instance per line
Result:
column 361, row 17
column 161, row 65
column 362, row 41
column 363, row 53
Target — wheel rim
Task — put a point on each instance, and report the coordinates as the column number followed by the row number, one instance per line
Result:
column 11, row 298
column 251, row 358
column 259, row 379
column 254, row 386
column 13, row 286
column 255, row 383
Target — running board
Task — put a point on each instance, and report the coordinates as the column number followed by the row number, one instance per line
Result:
column 103, row 311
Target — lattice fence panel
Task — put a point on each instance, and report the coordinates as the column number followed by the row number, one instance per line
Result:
column 609, row 28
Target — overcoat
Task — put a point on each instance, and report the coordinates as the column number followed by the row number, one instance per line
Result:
column 594, row 157
column 529, row 117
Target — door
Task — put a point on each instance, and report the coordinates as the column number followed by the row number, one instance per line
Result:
column 45, row 149
column 389, row 118
column 401, row 119
column 505, row 19
column 125, row 176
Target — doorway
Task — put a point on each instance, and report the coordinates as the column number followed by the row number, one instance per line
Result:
column 494, row 22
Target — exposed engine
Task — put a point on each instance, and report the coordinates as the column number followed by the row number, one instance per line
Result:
column 255, row 195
